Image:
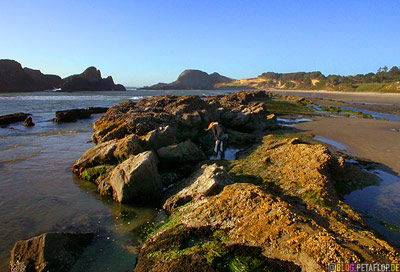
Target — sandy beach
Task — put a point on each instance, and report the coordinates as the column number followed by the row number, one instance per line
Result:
column 384, row 98
column 374, row 140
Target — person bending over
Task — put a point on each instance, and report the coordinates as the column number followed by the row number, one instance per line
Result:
column 220, row 137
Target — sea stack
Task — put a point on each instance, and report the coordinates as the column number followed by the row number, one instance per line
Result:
column 90, row 80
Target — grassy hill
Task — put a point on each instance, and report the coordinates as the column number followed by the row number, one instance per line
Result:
column 383, row 81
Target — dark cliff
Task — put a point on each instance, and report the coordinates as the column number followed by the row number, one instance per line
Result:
column 14, row 78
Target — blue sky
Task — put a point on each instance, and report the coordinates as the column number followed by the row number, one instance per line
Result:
column 145, row 42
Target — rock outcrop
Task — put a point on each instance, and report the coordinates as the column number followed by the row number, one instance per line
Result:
column 90, row 80
column 189, row 114
column 13, row 118
column 134, row 180
column 173, row 127
column 292, row 220
column 110, row 152
column 192, row 80
column 49, row 252
column 13, row 78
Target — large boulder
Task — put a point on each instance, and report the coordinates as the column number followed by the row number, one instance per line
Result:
column 129, row 145
column 56, row 252
column 182, row 153
column 90, row 80
column 135, row 180
column 208, row 180
column 110, row 152
column 97, row 155
column 159, row 137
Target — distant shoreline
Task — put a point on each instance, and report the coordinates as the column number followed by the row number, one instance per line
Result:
column 365, row 97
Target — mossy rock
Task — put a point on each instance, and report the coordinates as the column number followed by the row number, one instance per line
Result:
column 92, row 174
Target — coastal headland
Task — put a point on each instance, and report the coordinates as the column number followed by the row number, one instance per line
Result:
column 277, row 205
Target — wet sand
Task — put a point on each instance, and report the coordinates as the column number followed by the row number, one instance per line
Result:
column 384, row 98
column 364, row 138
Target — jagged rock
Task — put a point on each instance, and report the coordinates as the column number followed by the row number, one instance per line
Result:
column 161, row 136
column 193, row 79
column 15, row 79
column 90, row 80
column 208, row 180
column 182, row 153
column 189, row 114
column 110, row 152
column 149, row 114
column 100, row 154
column 49, row 252
column 13, row 118
column 130, row 145
column 136, row 179
column 28, row 122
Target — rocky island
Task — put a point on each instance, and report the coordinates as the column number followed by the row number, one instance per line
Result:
column 14, row 78
column 277, row 206
column 90, row 80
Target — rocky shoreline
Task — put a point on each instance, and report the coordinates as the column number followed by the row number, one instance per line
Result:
column 277, row 206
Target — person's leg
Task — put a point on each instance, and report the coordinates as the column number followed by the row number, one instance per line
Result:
column 222, row 149
column 217, row 147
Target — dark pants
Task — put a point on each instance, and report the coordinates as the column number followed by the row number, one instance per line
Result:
column 220, row 146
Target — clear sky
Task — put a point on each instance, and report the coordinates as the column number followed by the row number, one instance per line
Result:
column 146, row 42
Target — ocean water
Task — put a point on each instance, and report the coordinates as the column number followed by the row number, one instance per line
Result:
column 39, row 193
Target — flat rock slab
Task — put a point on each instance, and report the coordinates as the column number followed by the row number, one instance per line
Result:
column 13, row 118
column 73, row 115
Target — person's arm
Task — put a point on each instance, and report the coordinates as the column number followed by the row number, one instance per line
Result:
column 214, row 131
